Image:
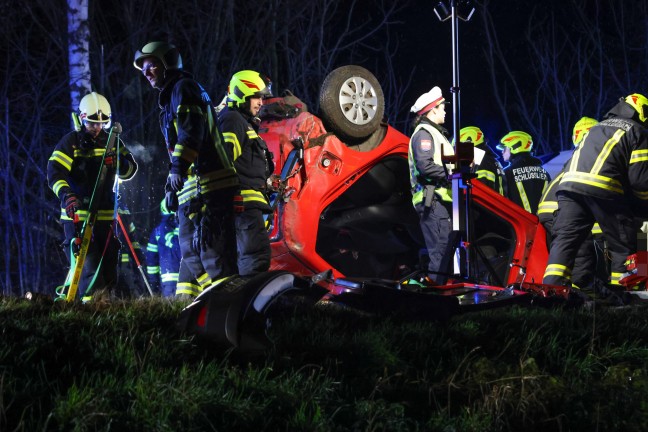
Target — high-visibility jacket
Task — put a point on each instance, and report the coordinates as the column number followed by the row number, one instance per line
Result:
column 198, row 152
column 195, row 145
column 163, row 256
column 526, row 181
column 252, row 159
column 424, row 159
column 490, row 171
column 549, row 202
column 74, row 167
column 612, row 159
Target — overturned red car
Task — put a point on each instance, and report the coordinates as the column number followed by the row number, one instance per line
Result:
column 343, row 228
column 343, row 202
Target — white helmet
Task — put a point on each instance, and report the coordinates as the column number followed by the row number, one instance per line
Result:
column 95, row 108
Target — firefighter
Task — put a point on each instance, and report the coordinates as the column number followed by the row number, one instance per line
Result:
column 130, row 280
column 526, row 179
column 72, row 173
column 163, row 254
column 605, row 171
column 239, row 124
column 431, row 194
column 202, row 181
column 489, row 171
column 582, row 275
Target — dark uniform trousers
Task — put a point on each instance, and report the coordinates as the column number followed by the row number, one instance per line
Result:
column 218, row 260
column 253, row 242
column 98, row 273
column 436, row 226
column 582, row 275
column 573, row 224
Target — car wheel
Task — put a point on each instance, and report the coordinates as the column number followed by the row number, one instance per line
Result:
column 352, row 103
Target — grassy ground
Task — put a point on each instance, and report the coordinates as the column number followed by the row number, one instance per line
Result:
column 125, row 367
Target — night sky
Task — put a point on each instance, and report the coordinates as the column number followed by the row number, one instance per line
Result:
column 429, row 42
column 566, row 30
column 427, row 47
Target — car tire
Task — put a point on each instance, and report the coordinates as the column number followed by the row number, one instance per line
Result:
column 352, row 103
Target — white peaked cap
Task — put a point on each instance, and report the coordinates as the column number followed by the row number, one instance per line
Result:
column 427, row 101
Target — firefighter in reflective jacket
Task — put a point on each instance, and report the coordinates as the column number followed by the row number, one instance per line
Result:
column 431, row 196
column 526, row 179
column 489, row 171
column 239, row 124
column 130, row 280
column 606, row 170
column 582, row 274
column 202, row 180
column 163, row 254
column 72, row 171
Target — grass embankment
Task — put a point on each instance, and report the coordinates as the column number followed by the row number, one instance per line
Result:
column 125, row 367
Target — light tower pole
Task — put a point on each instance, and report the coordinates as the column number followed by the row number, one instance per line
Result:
column 464, row 152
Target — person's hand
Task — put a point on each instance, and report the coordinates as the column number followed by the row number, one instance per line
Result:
column 71, row 204
column 239, row 207
column 171, row 201
column 110, row 160
column 176, row 182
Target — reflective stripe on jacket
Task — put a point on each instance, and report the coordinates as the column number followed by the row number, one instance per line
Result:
column 611, row 160
column 526, row 181
column 490, row 171
column 74, row 167
column 418, row 177
column 195, row 145
column 252, row 159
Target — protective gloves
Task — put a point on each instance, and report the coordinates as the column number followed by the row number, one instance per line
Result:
column 170, row 196
column 239, row 207
column 176, row 182
column 71, row 204
column 110, row 160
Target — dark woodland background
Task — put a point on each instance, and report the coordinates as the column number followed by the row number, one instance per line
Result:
column 534, row 66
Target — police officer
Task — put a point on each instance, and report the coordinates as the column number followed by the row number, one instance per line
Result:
column 163, row 254
column 201, row 177
column 72, row 172
column 526, row 179
column 489, row 171
column 239, row 124
column 431, row 196
column 582, row 274
column 605, row 171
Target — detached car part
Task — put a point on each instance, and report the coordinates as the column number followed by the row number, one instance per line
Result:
column 235, row 312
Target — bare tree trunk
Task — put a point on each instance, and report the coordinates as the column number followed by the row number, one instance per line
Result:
column 78, row 50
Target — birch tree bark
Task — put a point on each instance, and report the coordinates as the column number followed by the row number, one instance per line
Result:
column 78, row 50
